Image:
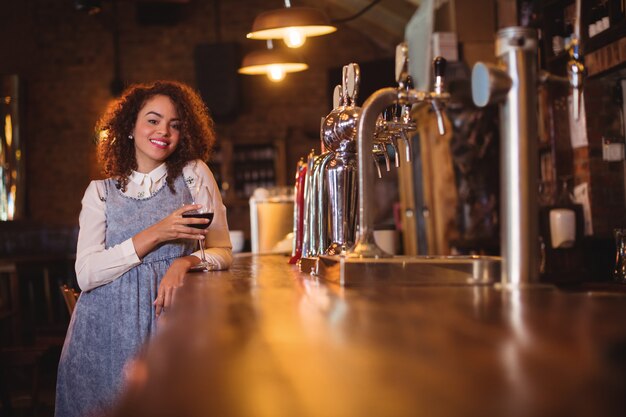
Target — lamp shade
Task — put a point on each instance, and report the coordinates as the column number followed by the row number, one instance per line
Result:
column 274, row 24
column 271, row 62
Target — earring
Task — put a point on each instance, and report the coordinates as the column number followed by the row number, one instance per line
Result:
column 130, row 137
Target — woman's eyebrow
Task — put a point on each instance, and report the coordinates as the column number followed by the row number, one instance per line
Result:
column 175, row 119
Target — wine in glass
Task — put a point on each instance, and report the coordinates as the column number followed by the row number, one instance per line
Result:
column 201, row 195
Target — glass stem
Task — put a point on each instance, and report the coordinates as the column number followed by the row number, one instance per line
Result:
column 201, row 251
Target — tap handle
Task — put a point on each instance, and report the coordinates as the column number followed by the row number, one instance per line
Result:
column 352, row 83
column 344, row 86
column 337, row 96
column 402, row 63
column 439, row 68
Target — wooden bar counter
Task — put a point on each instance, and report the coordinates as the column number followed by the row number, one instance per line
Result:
column 264, row 340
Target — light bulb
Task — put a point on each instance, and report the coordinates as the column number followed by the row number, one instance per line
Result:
column 276, row 73
column 294, row 38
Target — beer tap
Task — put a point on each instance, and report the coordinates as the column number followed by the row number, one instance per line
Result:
column 340, row 124
column 341, row 171
column 379, row 150
column 575, row 66
column 439, row 66
column 330, row 185
column 397, row 122
column 365, row 246
column 511, row 83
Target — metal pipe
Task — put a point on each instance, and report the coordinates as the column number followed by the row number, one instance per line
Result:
column 365, row 246
column 513, row 83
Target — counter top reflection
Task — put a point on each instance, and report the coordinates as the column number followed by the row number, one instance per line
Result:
column 265, row 340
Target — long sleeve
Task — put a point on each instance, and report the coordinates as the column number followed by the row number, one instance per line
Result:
column 218, row 248
column 96, row 265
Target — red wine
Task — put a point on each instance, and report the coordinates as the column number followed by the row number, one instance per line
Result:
column 199, row 216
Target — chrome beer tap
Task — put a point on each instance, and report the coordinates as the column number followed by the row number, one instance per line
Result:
column 512, row 83
column 341, row 175
column 341, row 171
column 330, row 185
column 440, row 70
column 340, row 124
column 575, row 66
column 395, row 121
column 576, row 73
column 365, row 246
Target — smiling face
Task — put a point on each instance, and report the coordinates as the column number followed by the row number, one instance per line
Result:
column 156, row 133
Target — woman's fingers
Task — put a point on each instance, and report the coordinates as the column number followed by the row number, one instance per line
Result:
column 165, row 300
column 174, row 291
column 186, row 208
column 158, row 303
column 189, row 219
column 168, row 298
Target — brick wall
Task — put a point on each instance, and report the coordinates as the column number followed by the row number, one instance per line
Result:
column 65, row 60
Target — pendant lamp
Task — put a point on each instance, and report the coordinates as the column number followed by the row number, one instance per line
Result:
column 292, row 24
column 271, row 62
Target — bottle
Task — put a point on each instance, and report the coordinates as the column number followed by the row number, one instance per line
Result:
column 593, row 28
column 601, row 18
column 562, row 219
column 558, row 41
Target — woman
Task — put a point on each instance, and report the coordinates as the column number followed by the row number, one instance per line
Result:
column 134, row 247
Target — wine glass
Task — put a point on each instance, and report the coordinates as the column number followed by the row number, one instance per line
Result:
column 201, row 195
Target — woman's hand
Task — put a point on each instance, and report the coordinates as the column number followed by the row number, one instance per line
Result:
column 172, row 281
column 172, row 227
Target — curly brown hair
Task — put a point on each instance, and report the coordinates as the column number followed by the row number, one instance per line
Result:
column 117, row 153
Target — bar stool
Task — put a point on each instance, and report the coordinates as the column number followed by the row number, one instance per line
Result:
column 14, row 356
column 70, row 295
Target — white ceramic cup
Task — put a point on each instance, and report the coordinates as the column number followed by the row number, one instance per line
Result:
column 562, row 228
column 237, row 239
column 387, row 240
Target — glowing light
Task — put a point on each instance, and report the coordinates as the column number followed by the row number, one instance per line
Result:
column 276, row 73
column 8, row 130
column 11, row 203
column 294, row 37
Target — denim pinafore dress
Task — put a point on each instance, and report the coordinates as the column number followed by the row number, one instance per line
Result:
column 110, row 323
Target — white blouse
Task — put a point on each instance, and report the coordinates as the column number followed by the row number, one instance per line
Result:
column 97, row 266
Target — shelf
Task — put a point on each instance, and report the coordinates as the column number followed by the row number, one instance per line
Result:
column 242, row 166
column 608, row 57
column 607, row 37
column 560, row 11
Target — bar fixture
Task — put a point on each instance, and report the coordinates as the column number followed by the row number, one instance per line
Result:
column 338, row 199
column 365, row 246
column 338, row 242
column 511, row 83
column 292, row 24
column 272, row 62
column 575, row 65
